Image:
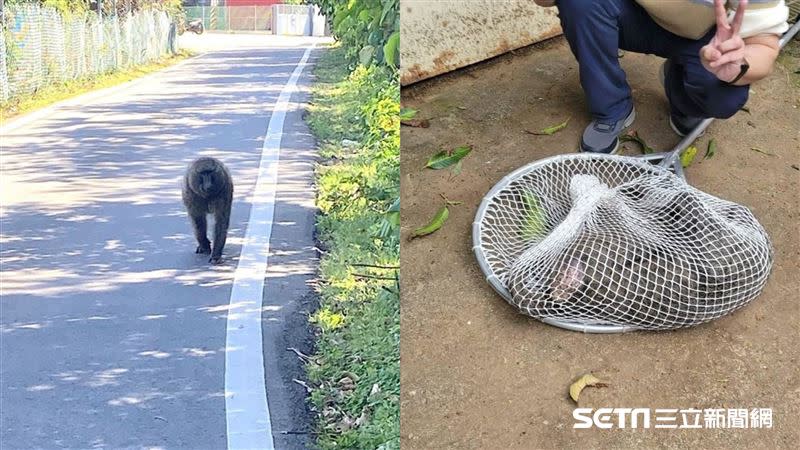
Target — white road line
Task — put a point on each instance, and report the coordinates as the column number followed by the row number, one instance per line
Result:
column 246, row 407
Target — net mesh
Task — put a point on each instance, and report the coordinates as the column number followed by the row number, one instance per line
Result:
column 616, row 241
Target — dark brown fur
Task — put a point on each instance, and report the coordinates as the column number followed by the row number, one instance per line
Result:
column 208, row 189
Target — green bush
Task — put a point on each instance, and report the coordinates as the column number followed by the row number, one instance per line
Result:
column 358, row 320
column 369, row 30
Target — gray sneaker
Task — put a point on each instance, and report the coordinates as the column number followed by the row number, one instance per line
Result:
column 680, row 124
column 599, row 137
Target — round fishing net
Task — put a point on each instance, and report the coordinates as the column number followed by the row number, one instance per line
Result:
column 605, row 243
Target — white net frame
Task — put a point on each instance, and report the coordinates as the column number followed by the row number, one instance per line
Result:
column 615, row 244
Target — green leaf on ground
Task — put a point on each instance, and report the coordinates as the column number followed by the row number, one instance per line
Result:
column 763, row 152
column 549, row 130
column 407, row 113
column 445, row 158
column 711, row 149
column 436, row 222
column 634, row 137
column 534, row 223
column 688, row 155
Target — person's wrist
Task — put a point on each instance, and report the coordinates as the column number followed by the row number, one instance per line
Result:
column 744, row 66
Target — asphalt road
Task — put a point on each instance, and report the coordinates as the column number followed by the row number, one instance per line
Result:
column 113, row 330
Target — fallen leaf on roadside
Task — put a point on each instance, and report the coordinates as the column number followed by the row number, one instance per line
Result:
column 436, row 222
column 416, row 123
column 549, row 130
column 582, row 382
column 688, row 156
column 745, row 109
column 445, row 159
column 795, row 167
column 711, row 149
column 633, row 136
column 345, row 424
column 362, row 418
column 347, row 384
column 756, row 149
column 376, row 389
column 407, row 113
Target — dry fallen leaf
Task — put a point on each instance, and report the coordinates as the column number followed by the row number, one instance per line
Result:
column 347, row 384
column 362, row 418
column 376, row 389
column 416, row 123
column 549, row 130
column 763, row 152
column 584, row 381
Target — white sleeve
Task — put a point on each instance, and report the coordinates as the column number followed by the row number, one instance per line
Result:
column 767, row 20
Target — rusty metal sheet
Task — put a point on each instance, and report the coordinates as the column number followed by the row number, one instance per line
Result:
column 438, row 36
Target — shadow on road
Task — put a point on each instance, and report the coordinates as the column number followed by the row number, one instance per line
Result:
column 113, row 329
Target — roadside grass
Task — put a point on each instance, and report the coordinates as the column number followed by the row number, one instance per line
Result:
column 61, row 91
column 355, row 373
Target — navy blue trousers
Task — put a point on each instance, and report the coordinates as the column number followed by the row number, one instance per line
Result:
column 596, row 29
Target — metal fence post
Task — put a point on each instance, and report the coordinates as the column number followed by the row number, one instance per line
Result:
column 212, row 22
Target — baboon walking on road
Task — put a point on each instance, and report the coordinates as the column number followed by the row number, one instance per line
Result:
column 208, row 189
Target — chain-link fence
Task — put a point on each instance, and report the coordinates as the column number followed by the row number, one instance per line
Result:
column 42, row 47
column 232, row 18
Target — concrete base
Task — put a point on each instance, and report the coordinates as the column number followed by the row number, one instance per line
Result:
column 444, row 35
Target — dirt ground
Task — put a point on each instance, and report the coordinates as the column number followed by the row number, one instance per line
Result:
column 476, row 374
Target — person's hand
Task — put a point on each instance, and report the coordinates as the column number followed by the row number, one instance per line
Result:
column 724, row 54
